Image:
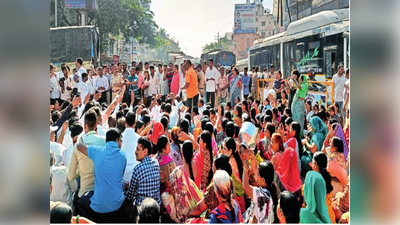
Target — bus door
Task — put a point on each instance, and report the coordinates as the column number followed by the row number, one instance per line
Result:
column 330, row 59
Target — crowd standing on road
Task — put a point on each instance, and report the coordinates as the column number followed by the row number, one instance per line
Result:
column 161, row 143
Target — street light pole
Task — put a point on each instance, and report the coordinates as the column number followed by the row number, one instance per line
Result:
column 55, row 17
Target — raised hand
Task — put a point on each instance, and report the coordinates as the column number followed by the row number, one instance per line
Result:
column 75, row 102
column 97, row 96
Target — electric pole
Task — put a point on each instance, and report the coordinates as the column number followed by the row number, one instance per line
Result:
column 218, row 41
column 56, row 13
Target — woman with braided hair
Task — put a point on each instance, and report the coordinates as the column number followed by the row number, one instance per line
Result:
column 228, row 210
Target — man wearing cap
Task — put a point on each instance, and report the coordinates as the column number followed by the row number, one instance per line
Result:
column 116, row 82
column 211, row 77
column 202, row 79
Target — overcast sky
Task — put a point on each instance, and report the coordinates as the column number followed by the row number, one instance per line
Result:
column 196, row 22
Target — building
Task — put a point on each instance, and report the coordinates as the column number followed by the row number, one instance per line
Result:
column 242, row 44
column 260, row 27
column 264, row 20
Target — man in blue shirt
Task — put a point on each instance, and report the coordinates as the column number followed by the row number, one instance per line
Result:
column 132, row 82
column 246, row 84
column 145, row 180
column 105, row 201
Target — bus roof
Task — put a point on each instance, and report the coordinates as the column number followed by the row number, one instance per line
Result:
column 317, row 20
column 328, row 22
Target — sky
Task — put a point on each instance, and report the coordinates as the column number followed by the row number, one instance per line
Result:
column 194, row 23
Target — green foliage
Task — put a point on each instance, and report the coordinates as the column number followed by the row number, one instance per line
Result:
column 131, row 18
column 223, row 44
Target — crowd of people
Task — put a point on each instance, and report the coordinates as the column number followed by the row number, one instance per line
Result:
column 162, row 143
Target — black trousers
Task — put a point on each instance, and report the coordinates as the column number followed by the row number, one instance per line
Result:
column 278, row 96
column 192, row 101
column 103, row 97
column 210, row 96
column 291, row 95
column 112, row 217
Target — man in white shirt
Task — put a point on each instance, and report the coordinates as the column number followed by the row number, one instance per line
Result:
column 339, row 81
column 153, row 83
column 90, row 82
column 182, row 82
column 66, row 85
column 60, row 73
column 211, row 77
column 101, row 85
column 83, row 88
column 202, row 107
column 80, row 68
column 54, row 86
column 62, row 188
column 75, row 131
column 57, row 148
column 129, row 144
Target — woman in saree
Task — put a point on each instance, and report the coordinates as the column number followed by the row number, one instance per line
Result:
column 337, row 165
column 315, row 198
column 298, row 107
column 288, row 178
column 184, row 193
column 264, row 145
column 341, row 202
column 319, row 164
column 158, row 130
column 167, row 164
column 277, row 148
column 210, row 201
column 264, row 197
column 294, row 141
column 220, row 117
column 235, row 84
column 318, row 134
column 238, row 115
column 221, row 134
column 175, row 153
column 235, row 161
column 204, row 160
column 337, row 130
column 228, row 210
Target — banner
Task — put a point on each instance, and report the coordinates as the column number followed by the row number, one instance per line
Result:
column 245, row 19
column 80, row 4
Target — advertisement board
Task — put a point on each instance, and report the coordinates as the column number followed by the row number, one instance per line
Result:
column 245, row 18
column 79, row 4
column 316, row 97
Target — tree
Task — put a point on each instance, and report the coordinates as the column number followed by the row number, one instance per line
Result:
column 223, row 44
column 129, row 18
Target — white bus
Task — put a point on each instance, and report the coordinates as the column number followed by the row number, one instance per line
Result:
column 319, row 41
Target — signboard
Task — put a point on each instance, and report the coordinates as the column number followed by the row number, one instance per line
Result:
column 79, row 4
column 316, row 97
column 245, row 18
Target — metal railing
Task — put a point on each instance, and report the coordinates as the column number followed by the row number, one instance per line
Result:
column 266, row 85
